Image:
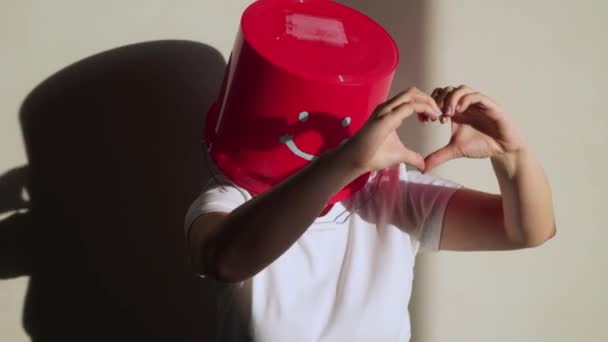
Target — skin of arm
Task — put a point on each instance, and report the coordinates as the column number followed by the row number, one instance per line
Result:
column 522, row 215
column 235, row 246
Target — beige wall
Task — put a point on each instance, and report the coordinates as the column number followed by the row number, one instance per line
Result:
column 541, row 59
column 545, row 62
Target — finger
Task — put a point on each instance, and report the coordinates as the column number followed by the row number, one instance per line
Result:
column 453, row 97
column 436, row 95
column 435, row 92
column 423, row 118
column 404, row 110
column 418, row 95
column 474, row 98
column 402, row 97
column 421, row 97
column 413, row 158
column 403, row 154
column 440, row 156
column 411, row 94
column 439, row 94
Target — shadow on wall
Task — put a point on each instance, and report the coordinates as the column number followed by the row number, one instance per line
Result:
column 407, row 22
column 113, row 144
column 16, row 227
column 115, row 160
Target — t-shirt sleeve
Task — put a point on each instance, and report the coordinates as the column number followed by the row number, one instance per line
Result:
column 217, row 196
column 425, row 199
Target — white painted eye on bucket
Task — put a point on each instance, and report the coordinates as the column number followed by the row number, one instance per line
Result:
column 346, row 122
column 303, row 116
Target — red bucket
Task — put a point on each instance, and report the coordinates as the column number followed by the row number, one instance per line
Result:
column 303, row 77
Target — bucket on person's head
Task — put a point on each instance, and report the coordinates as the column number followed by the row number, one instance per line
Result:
column 303, row 77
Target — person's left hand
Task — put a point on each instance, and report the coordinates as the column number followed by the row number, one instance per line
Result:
column 480, row 128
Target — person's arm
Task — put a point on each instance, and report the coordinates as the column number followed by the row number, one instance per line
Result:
column 235, row 246
column 522, row 215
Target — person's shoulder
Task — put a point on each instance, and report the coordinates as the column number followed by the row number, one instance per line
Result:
column 219, row 187
column 378, row 191
column 218, row 195
column 389, row 185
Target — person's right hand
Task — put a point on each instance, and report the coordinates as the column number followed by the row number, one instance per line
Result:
column 376, row 145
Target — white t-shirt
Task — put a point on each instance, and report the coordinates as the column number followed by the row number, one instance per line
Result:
column 349, row 277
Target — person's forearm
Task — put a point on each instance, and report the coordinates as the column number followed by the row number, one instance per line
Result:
column 526, row 198
column 261, row 230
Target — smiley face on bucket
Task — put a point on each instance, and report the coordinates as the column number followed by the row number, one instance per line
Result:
column 315, row 133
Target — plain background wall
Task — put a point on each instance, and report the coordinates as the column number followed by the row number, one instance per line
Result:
column 541, row 59
column 545, row 62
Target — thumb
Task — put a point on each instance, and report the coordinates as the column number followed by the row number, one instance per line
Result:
column 398, row 153
column 412, row 158
column 440, row 156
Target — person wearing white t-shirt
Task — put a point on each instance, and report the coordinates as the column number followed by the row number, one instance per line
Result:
column 296, row 269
